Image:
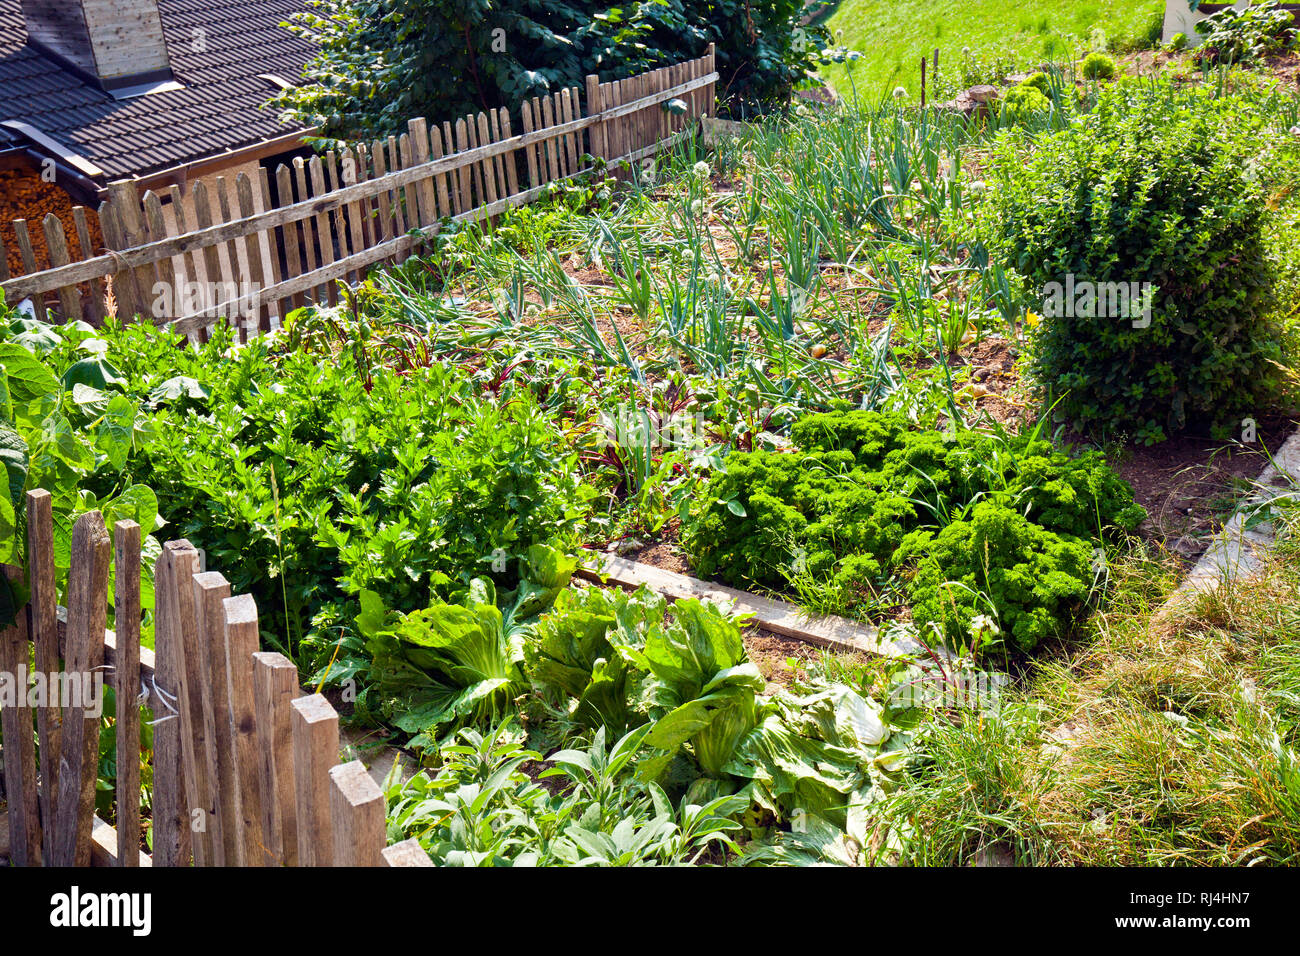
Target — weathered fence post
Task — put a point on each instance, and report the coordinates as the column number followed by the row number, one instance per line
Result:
column 357, row 810
column 275, row 683
column 79, row 761
column 19, row 745
column 315, row 751
column 126, row 684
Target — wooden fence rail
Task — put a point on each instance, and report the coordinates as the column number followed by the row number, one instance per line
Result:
column 245, row 767
column 337, row 215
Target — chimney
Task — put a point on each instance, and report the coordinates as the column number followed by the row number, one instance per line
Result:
column 114, row 43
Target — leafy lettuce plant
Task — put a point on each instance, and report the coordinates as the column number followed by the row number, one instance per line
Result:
column 456, row 661
column 709, row 729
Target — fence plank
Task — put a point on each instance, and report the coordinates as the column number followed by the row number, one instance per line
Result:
column 440, row 181
column 367, row 206
column 157, row 229
column 396, row 196
column 241, row 641
column 191, row 269
column 256, row 309
column 418, row 129
column 595, row 103
column 357, row 810
column 454, row 173
column 617, row 126
column 87, row 620
column 530, row 152
column 511, row 158
column 270, row 250
column 324, row 231
column 497, row 167
column 315, row 749
column 210, row 591
column 711, row 88
column 56, row 243
column 411, row 204
column 289, row 232
column 384, row 225
column 25, row 249
column 309, row 237
column 338, row 215
column 275, row 686
column 406, row 853
column 571, row 110
column 197, row 716
column 173, row 770
column 19, row 740
column 464, row 174
column 43, row 626
column 474, row 170
column 123, row 279
column 487, row 168
column 214, row 273
column 131, row 227
column 126, row 687
column 234, row 269
column 549, row 146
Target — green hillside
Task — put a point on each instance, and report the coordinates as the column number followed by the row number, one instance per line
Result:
column 893, row 35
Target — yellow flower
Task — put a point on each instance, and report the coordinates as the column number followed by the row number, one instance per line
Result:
column 1032, row 319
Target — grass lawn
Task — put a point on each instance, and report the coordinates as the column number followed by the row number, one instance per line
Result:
column 894, row 35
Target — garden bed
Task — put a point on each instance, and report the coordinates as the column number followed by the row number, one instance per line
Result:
column 796, row 374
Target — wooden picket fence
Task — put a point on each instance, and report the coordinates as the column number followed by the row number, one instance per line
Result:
column 340, row 214
column 245, row 766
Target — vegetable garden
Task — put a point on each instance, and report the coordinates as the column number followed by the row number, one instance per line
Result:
column 809, row 360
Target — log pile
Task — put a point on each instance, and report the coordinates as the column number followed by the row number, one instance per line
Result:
column 24, row 195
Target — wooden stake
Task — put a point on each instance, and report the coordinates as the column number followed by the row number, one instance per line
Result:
column 19, row 740
column 406, row 853
column 241, row 644
column 210, row 591
column 43, row 626
column 315, row 749
column 173, row 766
column 87, row 621
column 275, row 686
column 358, row 816
column 126, row 687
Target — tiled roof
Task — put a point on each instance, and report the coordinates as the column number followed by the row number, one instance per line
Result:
column 219, row 108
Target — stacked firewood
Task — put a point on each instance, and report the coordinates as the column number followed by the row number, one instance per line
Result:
column 24, row 195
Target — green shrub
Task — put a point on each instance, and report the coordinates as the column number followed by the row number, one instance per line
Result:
column 1098, row 66
column 866, row 494
column 1039, row 81
column 1157, row 185
column 1178, row 42
column 1022, row 102
column 1001, row 565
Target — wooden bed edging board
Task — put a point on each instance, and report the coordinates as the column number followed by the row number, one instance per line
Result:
column 779, row 617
